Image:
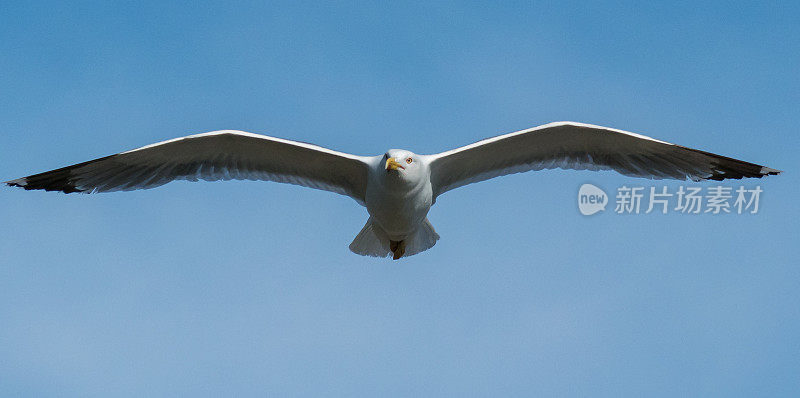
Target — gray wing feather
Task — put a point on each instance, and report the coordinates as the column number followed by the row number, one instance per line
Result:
column 218, row 155
column 578, row 146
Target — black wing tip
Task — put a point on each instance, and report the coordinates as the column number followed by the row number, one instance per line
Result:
column 735, row 174
column 18, row 183
column 724, row 167
column 57, row 185
column 59, row 180
column 766, row 171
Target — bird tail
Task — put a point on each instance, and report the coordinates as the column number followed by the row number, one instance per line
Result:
column 423, row 239
column 373, row 241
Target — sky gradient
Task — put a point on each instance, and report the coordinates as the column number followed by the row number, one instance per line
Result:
column 248, row 288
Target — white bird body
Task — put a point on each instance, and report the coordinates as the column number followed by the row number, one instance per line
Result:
column 398, row 209
column 399, row 201
column 399, row 187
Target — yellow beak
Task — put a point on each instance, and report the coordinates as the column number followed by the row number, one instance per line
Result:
column 392, row 164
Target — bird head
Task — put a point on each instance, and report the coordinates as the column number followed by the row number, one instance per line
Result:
column 403, row 165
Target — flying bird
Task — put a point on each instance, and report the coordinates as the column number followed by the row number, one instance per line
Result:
column 399, row 187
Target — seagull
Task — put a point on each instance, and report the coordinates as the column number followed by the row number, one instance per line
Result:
column 399, row 187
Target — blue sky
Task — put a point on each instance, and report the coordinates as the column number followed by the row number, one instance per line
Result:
column 246, row 288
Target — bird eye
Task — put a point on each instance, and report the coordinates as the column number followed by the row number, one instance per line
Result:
column 409, row 160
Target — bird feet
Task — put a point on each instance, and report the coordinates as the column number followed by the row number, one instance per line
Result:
column 398, row 248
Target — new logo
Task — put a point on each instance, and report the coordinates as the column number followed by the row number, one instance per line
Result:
column 591, row 199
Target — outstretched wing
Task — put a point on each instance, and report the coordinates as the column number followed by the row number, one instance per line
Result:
column 218, row 155
column 579, row 146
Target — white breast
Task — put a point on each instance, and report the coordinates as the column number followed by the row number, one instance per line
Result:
column 398, row 208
